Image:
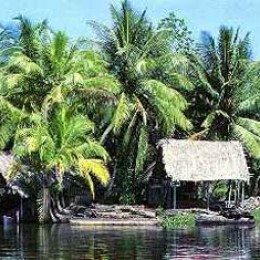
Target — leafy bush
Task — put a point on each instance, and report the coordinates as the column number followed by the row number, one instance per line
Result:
column 220, row 190
column 179, row 220
column 256, row 214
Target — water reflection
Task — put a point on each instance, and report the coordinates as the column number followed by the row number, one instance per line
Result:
column 66, row 242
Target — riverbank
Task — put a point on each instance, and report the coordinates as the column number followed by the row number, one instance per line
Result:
column 116, row 215
column 116, row 222
column 122, row 215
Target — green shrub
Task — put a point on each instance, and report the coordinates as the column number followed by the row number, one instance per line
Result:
column 179, row 220
column 256, row 214
column 220, row 190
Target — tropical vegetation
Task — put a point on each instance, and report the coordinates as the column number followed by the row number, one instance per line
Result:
column 95, row 109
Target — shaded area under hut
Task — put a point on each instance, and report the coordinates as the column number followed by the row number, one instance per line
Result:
column 187, row 172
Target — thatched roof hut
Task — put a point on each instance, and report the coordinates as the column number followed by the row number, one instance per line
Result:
column 195, row 161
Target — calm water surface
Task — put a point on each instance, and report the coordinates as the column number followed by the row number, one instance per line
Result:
column 67, row 242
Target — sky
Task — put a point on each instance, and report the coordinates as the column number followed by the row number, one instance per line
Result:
column 200, row 15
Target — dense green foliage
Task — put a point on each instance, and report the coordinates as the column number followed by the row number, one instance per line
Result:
column 137, row 53
column 228, row 110
column 66, row 107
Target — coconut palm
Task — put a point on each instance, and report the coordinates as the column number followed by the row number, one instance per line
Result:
column 135, row 51
column 132, row 48
column 35, row 78
column 50, row 70
column 20, row 48
column 226, row 89
column 60, row 141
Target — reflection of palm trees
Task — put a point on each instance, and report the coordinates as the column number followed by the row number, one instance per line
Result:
column 65, row 242
column 118, row 243
column 44, row 239
column 62, row 242
column 222, row 242
column 69, row 242
column 11, row 237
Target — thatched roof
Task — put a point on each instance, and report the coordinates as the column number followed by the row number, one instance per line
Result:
column 186, row 160
column 6, row 160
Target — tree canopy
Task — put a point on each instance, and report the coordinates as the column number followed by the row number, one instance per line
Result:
column 97, row 108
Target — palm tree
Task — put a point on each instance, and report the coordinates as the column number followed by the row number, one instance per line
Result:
column 51, row 70
column 35, row 78
column 135, row 51
column 225, row 93
column 20, row 46
column 56, row 142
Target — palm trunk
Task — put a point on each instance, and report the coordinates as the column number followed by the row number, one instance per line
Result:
column 44, row 202
column 62, row 201
column 44, row 214
column 59, row 207
column 111, row 183
column 106, row 133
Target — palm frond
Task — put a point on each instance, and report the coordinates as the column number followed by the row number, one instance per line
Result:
column 209, row 120
column 249, row 139
column 250, row 104
column 168, row 103
column 160, row 91
column 105, row 82
column 250, row 124
column 122, row 113
column 91, row 149
column 182, row 81
column 24, row 64
column 95, row 168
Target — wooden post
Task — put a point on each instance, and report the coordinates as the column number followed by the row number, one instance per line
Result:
column 243, row 193
column 229, row 195
column 174, row 195
column 21, row 209
column 235, row 194
column 207, row 196
column 238, row 193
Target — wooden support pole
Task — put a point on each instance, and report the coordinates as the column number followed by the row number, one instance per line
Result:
column 21, row 209
column 208, row 196
column 229, row 195
column 235, row 194
column 238, row 193
column 174, row 195
column 243, row 193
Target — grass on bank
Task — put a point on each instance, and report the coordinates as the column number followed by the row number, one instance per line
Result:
column 256, row 214
column 180, row 220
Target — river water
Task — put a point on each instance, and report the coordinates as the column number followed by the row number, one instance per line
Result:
column 71, row 242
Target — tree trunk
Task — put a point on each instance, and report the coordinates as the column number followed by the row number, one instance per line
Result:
column 45, row 207
column 106, row 133
column 111, row 183
column 58, row 204
column 62, row 200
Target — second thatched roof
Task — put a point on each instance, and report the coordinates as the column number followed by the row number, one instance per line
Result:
column 186, row 160
column 6, row 161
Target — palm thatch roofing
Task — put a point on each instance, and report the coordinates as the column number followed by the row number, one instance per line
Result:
column 6, row 160
column 195, row 161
